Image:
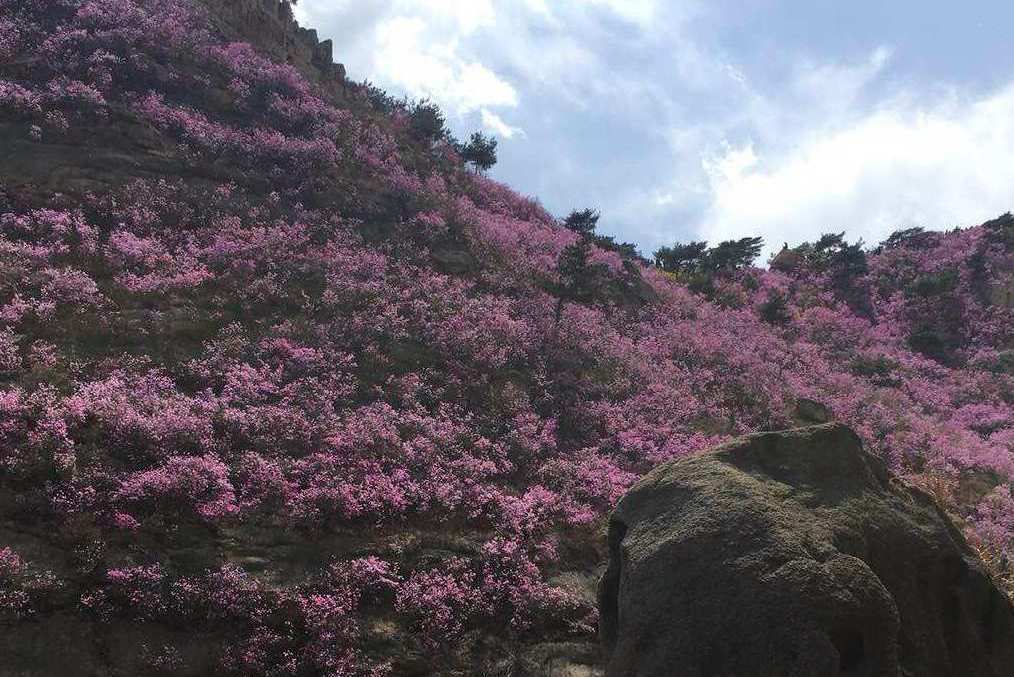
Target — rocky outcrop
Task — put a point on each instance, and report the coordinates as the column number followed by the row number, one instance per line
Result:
column 270, row 26
column 795, row 554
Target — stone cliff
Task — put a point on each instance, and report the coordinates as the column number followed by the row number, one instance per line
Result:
column 269, row 26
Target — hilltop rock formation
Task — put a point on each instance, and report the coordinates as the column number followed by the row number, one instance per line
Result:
column 795, row 553
column 270, row 26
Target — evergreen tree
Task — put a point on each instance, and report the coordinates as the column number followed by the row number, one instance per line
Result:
column 480, row 151
column 580, row 280
column 775, row 310
column 916, row 238
column 681, row 258
column 427, row 121
column 582, row 222
column 732, row 255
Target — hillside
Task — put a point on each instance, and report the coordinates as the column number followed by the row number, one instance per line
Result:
column 289, row 388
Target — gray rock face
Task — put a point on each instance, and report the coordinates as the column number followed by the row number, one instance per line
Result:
column 795, row 554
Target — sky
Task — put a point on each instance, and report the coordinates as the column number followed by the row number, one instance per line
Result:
column 714, row 119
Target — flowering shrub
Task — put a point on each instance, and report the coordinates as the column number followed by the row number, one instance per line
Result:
column 137, row 590
column 187, row 486
column 324, row 333
column 14, row 602
column 440, row 602
column 24, row 590
column 316, row 633
column 993, row 521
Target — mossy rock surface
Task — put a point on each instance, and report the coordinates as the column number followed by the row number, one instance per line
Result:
column 795, row 553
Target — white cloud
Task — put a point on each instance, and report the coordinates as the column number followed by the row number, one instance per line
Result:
column 539, row 7
column 833, row 88
column 416, row 47
column 637, row 11
column 408, row 58
column 469, row 14
column 494, row 123
column 731, row 165
column 473, row 54
column 898, row 166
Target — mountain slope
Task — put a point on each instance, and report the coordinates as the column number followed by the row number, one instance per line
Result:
column 289, row 389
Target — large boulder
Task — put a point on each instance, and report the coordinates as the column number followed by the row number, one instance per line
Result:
column 795, row 554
